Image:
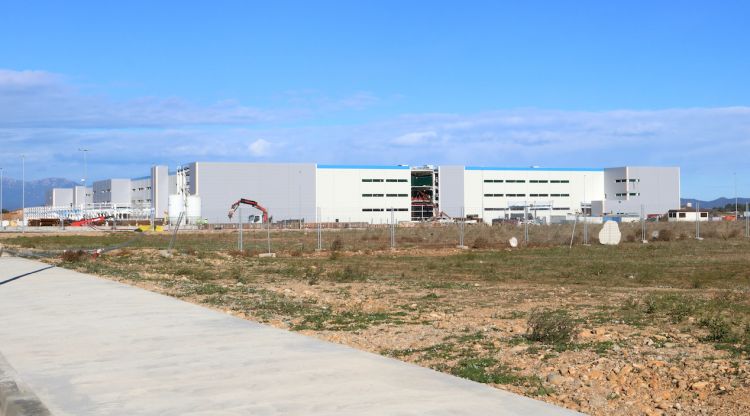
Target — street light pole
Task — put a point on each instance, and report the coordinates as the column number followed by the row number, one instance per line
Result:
column 85, row 172
column 736, row 208
column 23, row 193
column 1, row 199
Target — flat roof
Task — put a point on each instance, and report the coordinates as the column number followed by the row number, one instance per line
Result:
column 363, row 167
column 536, row 169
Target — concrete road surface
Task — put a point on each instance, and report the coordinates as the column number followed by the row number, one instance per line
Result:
column 89, row 346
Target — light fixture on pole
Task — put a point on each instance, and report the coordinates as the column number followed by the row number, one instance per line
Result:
column 85, row 172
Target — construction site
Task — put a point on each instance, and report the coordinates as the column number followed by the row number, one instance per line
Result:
column 198, row 195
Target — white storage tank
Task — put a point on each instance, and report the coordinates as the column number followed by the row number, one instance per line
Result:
column 193, row 209
column 175, row 207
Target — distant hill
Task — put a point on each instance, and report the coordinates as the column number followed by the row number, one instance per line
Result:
column 716, row 203
column 36, row 191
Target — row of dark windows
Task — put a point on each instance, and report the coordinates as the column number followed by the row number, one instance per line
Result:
column 626, row 194
column 521, row 209
column 382, row 195
column 524, row 181
column 537, row 195
column 627, row 180
column 384, row 209
column 385, row 180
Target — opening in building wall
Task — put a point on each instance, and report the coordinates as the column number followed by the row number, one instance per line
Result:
column 424, row 198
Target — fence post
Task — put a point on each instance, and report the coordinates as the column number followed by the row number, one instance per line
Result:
column 393, row 229
column 268, row 235
column 320, row 232
column 461, row 225
column 239, row 222
column 643, row 223
column 526, row 223
column 697, row 221
column 747, row 219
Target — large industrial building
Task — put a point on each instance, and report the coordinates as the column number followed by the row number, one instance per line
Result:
column 381, row 194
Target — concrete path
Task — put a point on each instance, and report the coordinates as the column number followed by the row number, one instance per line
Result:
column 89, row 346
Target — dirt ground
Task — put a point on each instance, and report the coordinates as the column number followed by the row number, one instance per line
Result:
column 643, row 340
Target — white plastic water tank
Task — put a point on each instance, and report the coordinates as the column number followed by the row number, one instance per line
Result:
column 175, row 207
column 193, row 209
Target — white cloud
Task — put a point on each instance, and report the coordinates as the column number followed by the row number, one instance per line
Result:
column 260, row 147
column 23, row 80
column 415, row 138
column 45, row 118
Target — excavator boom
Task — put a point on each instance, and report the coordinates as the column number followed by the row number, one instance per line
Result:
column 250, row 202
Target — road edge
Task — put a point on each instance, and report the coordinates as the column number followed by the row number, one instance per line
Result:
column 16, row 398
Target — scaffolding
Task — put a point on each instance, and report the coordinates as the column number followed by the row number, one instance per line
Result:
column 424, row 193
column 131, row 211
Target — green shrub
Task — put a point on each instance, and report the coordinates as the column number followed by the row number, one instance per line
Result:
column 550, row 326
column 719, row 329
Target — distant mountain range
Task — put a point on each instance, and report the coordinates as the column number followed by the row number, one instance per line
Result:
column 36, row 191
column 716, row 203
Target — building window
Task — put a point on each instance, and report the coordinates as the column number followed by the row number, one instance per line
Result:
column 515, row 195
column 635, row 194
column 493, row 195
column 397, row 209
column 516, row 181
column 538, row 181
column 561, row 209
column 494, row 209
column 493, row 181
column 682, row 215
column 704, row 214
column 538, row 194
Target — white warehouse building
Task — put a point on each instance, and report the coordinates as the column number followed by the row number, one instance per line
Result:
column 378, row 193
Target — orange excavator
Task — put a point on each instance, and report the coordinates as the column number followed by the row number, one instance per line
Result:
column 252, row 204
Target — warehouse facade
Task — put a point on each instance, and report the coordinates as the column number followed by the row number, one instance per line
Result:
column 384, row 193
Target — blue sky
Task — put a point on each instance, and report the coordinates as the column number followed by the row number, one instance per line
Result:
column 585, row 83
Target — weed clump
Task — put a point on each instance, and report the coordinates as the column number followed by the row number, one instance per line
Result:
column 550, row 326
column 312, row 275
column 73, row 256
column 665, row 235
column 350, row 274
column 337, row 244
column 480, row 243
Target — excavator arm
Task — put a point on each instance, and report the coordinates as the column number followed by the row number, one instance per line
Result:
column 250, row 202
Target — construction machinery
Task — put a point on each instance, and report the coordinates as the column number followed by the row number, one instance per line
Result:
column 253, row 204
column 89, row 221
